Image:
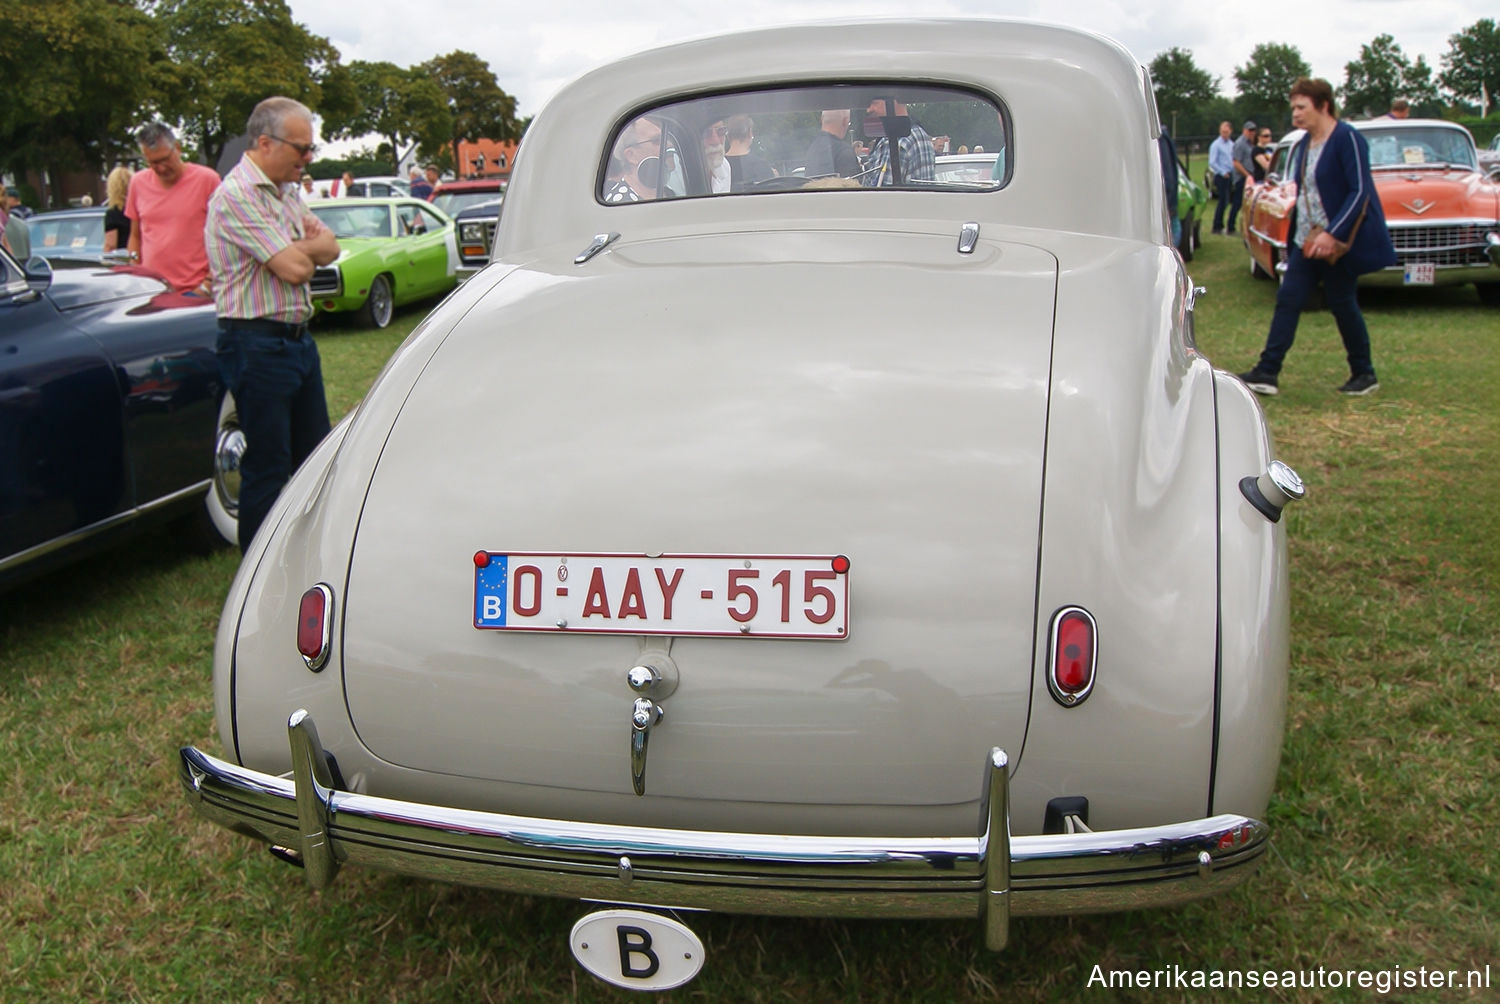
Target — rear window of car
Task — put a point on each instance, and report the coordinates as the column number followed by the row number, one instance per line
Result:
column 855, row 137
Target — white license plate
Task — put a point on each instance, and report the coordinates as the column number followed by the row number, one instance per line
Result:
column 1421, row 274
column 713, row 595
column 637, row 950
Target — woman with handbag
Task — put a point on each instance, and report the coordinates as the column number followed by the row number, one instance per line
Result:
column 1337, row 234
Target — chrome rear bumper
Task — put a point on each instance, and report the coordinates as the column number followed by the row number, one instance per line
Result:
column 991, row 875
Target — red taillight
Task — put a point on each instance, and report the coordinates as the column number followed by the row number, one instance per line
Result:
column 315, row 626
column 1070, row 674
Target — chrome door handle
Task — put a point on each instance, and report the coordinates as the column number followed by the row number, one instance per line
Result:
column 644, row 714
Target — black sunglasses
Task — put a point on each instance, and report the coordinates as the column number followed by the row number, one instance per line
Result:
column 305, row 149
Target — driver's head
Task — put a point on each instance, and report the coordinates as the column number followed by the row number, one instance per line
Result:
column 713, row 143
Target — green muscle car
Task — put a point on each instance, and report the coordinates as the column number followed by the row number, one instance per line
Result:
column 393, row 251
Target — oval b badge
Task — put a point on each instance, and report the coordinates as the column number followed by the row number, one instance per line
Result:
column 637, row 950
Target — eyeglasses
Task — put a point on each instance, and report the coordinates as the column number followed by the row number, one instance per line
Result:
column 303, row 149
column 717, row 130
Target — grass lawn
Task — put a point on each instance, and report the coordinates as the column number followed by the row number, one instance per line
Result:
column 110, row 888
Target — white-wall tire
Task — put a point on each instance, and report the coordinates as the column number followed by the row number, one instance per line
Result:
column 223, row 501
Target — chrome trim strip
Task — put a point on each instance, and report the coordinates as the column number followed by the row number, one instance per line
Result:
column 990, row 876
column 1437, row 224
column 1279, row 245
column 1493, row 239
column 104, row 525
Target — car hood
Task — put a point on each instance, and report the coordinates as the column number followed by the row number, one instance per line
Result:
column 70, row 288
column 875, row 395
column 351, row 246
column 1435, row 196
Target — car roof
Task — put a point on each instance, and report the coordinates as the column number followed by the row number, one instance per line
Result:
column 469, row 185
column 379, row 200
column 1023, row 65
column 70, row 211
column 485, row 208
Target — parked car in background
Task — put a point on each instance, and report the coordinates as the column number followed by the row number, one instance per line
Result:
column 380, row 186
column 967, row 168
column 815, row 549
column 392, row 252
column 1489, row 158
column 110, row 414
column 69, row 238
column 452, row 197
column 1442, row 211
column 1192, row 206
column 476, row 235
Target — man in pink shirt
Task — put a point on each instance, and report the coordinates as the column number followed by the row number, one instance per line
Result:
column 167, row 206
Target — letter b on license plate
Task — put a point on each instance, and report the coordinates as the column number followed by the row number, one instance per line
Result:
column 637, row 950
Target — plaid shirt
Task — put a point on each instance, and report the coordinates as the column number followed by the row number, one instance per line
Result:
column 918, row 162
column 251, row 219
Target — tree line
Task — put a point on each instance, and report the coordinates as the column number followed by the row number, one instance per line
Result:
column 82, row 75
column 1190, row 102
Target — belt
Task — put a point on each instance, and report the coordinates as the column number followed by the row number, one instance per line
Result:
column 284, row 329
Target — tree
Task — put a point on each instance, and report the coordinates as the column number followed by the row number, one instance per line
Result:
column 401, row 105
column 476, row 103
column 1184, row 92
column 1266, row 80
column 1380, row 74
column 229, row 55
column 1471, row 66
column 78, row 74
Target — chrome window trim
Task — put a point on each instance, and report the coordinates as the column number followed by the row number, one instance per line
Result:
column 104, row 525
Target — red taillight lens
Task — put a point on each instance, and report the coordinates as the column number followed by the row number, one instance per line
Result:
column 315, row 626
column 1071, row 673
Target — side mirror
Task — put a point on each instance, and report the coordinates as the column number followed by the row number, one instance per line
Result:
column 38, row 271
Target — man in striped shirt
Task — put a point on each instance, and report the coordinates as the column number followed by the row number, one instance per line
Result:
column 263, row 246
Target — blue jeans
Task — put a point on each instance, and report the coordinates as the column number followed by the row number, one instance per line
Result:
column 1236, row 196
column 1221, row 201
column 1339, row 287
column 276, row 377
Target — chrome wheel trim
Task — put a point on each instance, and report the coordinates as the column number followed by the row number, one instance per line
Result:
column 382, row 304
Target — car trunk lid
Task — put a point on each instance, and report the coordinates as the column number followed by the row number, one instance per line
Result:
column 872, row 395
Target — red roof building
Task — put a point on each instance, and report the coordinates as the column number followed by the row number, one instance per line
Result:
column 486, row 158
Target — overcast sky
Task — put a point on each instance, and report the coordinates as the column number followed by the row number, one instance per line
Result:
column 537, row 46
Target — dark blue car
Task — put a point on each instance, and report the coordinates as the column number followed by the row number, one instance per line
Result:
column 111, row 413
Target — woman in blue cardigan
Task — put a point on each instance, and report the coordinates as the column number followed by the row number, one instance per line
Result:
column 1337, row 234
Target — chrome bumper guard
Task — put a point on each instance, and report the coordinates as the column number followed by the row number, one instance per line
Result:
column 993, row 875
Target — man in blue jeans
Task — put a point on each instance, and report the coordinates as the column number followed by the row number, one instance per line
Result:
column 1221, row 166
column 263, row 246
column 1337, row 234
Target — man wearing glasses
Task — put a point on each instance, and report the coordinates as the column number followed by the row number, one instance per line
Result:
column 167, row 204
column 263, row 245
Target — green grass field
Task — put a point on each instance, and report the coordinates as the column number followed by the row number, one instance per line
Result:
column 111, row 889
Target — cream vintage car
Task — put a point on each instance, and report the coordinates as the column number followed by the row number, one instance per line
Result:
column 787, row 541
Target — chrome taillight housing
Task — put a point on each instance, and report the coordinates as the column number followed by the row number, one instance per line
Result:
column 1072, row 655
column 315, row 626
